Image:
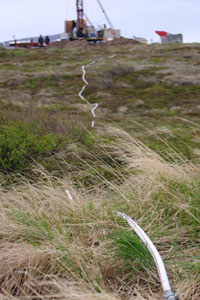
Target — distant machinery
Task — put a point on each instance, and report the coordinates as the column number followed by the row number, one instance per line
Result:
column 167, row 37
column 80, row 21
column 78, row 29
column 81, row 28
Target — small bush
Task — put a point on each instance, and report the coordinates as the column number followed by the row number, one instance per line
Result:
column 20, row 143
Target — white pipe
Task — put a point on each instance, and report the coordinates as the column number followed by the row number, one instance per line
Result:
column 95, row 105
column 112, row 55
column 93, row 62
column 69, row 194
column 168, row 293
column 81, row 96
column 93, row 109
column 83, row 77
column 131, row 49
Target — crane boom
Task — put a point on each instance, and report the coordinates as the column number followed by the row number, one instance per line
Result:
column 107, row 18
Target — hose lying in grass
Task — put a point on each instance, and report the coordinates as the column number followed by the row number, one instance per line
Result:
column 168, row 293
column 69, row 194
column 95, row 105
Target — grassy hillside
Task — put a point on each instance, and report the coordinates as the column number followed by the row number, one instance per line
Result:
column 141, row 158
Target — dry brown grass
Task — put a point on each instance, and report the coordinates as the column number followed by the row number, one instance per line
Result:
column 52, row 247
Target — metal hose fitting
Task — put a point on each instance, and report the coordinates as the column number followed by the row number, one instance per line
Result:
column 169, row 295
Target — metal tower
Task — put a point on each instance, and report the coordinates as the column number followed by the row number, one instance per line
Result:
column 80, row 14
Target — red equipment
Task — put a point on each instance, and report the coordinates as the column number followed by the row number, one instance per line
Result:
column 161, row 33
column 80, row 13
column 24, row 44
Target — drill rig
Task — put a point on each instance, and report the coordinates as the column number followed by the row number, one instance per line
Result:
column 80, row 21
column 78, row 29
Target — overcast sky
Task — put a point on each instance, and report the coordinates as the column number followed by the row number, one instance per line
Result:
column 27, row 18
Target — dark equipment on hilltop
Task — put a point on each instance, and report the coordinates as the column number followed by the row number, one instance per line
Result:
column 80, row 30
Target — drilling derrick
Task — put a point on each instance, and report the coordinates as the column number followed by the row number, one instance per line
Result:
column 80, row 13
column 79, row 29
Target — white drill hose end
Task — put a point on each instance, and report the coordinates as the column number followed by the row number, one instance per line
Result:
column 168, row 293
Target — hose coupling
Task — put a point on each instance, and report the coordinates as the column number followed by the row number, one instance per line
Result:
column 169, row 295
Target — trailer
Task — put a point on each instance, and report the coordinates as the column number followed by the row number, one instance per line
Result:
column 24, row 44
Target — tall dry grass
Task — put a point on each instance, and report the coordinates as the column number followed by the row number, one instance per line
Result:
column 53, row 247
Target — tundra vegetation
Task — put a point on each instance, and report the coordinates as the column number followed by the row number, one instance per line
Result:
column 141, row 158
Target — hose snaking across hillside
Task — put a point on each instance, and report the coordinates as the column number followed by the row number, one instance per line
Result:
column 168, row 293
column 95, row 105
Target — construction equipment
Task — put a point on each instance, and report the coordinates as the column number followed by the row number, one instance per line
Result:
column 75, row 29
column 79, row 30
column 79, row 5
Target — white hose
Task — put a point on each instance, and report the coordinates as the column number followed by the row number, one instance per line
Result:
column 93, row 109
column 112, row 56
column 69, row 194
column 95, row 105
column 84, row 73
column 81, row 96
column 168, row 294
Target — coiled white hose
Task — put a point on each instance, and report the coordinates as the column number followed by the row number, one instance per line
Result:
column 168, row 293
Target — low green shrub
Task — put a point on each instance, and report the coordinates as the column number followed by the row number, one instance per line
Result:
column 20, row 144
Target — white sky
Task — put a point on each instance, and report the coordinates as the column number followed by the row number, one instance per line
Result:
column 26, row 18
